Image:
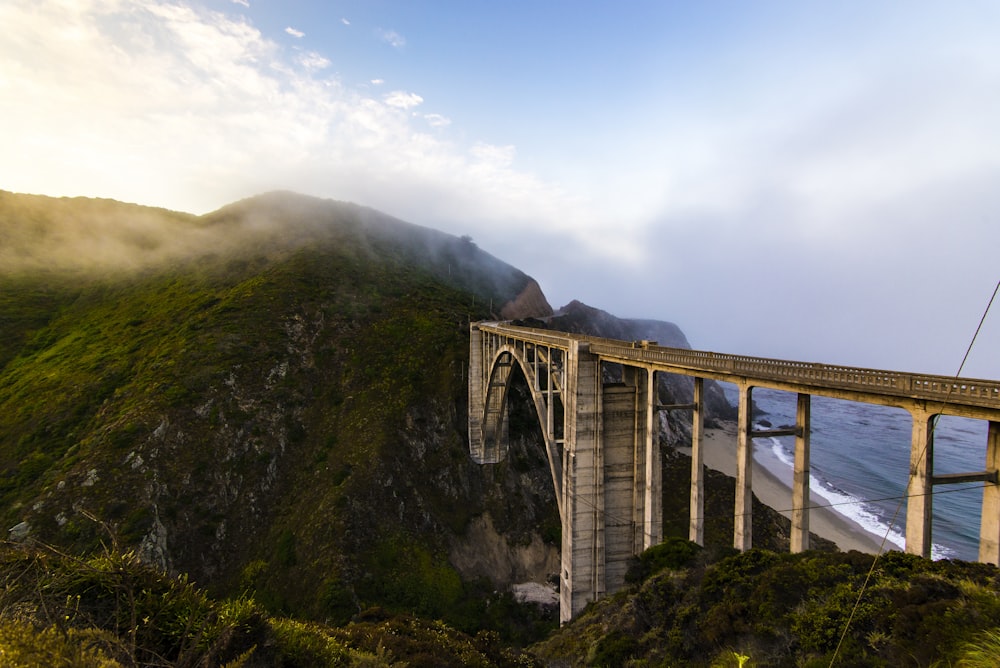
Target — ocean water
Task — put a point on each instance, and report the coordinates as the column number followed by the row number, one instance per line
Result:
column 860, row 459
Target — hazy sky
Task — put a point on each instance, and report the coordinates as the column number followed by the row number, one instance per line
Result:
column 804, row 180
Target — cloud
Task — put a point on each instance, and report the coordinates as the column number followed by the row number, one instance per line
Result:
column 314, row 61
column 402, row 100
column 498, row 156
column 392, row 38
column 192, row 109
column 245, row 3
column 437, row 120
column 294, row 33
column 858, row 209
column 345, row 22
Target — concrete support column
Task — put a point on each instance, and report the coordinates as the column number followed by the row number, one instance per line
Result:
column 742, row 525
column 477, row 394
column 618, row 448
column 652, row 525
column 696, row 526
column 635, row 381
column 989, row 528
column 582, row 571
column 918, row 491
column 800, row 484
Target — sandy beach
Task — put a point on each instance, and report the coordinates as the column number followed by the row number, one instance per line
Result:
column 720, row 455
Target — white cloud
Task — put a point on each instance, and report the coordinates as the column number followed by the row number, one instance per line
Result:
column 392, row 38
column 402, row 100
column 497, row 156
column 377, row 82
column 193, row 109
column 437, row 120
column 294, row 33
column 245, row 3
column 345, row 22
column 314, row 61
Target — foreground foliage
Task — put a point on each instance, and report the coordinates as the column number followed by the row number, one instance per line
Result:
column 762, row 608
column 111, row 610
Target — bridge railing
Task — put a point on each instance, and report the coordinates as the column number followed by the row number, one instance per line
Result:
column 967, row 391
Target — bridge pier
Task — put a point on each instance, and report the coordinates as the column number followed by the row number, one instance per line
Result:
column 743, row 513
column 989, row 526
column 696, row 524
column 477, row 394
column 919, row 505
column 743, row 517
column 919, row 502
column 800, row 477
column 651, row 484
column 623, row 534
column 582, row 569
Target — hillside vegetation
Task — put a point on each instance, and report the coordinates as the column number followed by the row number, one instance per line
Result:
column 241, row 439
column 761, row 608
column 109, row 610
column 277, row 409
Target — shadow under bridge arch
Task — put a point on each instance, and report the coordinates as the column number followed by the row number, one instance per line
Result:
column 542, row 372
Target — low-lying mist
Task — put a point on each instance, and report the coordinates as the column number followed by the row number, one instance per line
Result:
column 92, row 235
column 84, row 236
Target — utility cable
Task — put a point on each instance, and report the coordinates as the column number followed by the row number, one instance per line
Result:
column 930, row 436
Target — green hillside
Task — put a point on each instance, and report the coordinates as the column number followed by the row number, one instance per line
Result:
column 280, row 409
column 693, row 607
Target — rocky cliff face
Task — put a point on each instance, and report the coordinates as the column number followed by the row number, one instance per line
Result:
column 529, row 303
column 675, row 428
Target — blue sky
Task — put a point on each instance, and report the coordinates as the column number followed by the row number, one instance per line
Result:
column 815, row 181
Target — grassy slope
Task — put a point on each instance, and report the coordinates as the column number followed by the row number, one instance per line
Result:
column 111, row 610
column 284, row 418
column 787, row 610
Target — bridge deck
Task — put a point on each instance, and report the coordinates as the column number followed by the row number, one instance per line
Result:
column 607, row 430
column 968, row 397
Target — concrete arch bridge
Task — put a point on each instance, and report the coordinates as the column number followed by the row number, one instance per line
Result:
column 603, row 454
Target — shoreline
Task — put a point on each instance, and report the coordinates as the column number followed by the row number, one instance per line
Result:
column 719, row 448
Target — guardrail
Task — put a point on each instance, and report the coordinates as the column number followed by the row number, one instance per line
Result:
column 965, row 391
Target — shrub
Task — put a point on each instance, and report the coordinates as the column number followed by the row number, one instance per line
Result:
column 23, row 646
column 674, row 553
column 984, row 652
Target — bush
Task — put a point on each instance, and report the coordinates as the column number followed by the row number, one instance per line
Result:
column 674, row 553
column 23, row 646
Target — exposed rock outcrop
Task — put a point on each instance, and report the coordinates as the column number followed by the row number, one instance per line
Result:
column 530, row 303
column 484, row 552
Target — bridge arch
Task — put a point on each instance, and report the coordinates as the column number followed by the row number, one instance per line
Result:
column 601, row 454
column 494, row 426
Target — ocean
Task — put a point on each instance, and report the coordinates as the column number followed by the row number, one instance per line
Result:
column 860, row 459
